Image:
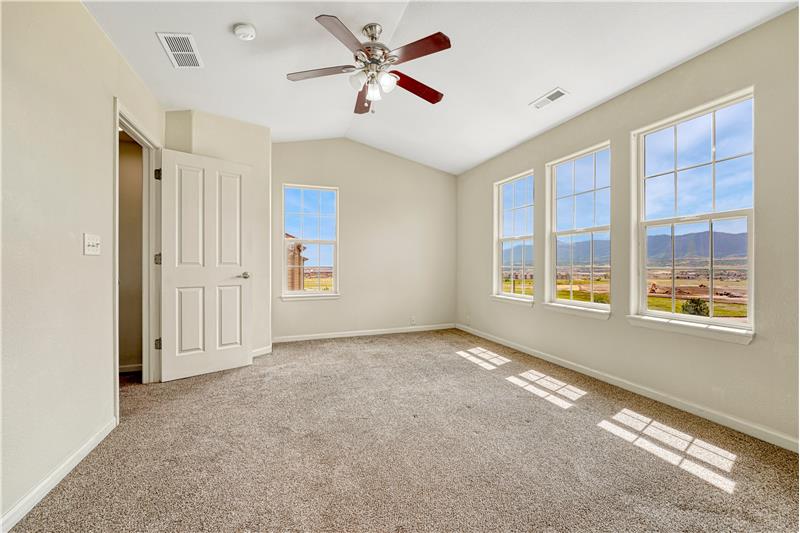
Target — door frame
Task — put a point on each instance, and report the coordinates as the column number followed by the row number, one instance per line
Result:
column 151, row 299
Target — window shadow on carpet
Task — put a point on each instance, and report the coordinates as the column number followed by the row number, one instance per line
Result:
column 544, row 386
column 683, row 450
column 483, row 358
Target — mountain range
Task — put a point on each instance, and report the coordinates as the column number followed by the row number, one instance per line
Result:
column 659, row 250
column 726, row 246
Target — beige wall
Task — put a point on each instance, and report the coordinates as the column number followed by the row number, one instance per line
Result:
column 750, row 387
column 396, row 238
column 241, row 142
column 58, row 170
column 130, row 255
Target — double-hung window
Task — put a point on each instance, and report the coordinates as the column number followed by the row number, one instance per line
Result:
column 696, row 216
column 310, row 239
column 580, row 240
column 514, row 239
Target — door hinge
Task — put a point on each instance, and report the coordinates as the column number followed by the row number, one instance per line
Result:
column 157, row 343
column 157, row 174
column 157, row 258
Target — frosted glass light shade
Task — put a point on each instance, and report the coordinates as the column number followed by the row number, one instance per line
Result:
column 388, row 81
column 373, row 92
column 358, row 80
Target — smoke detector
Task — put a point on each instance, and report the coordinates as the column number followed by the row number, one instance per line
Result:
column 245, row 32
column 181, row 50
column 549, row 98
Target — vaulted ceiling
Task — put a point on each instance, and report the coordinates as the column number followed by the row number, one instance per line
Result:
column 503, row 56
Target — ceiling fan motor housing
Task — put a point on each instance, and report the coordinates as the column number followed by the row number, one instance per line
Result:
column 372, row 31
column 376, row 52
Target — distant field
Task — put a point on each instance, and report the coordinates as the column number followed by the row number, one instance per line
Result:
column 313, row 284
column 581, row 290
column 721, row 309
column 730, row 287
column 524, row 287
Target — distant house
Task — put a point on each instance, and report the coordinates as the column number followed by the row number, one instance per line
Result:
column 294, row 258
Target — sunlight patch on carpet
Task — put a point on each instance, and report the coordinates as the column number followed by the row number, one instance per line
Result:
column 544, row 386
column 675, row 447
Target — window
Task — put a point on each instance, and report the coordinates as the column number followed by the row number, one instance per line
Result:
column 514, row 242
column 581, row 222
column 310, row 238
column 696, row 216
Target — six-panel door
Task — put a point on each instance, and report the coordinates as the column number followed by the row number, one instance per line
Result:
column 206, row 295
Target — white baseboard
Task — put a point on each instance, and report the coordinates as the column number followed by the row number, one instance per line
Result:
column 264, row 350
column 130, row 368
column 754, row 430
column 361, row 333
column 29, row 501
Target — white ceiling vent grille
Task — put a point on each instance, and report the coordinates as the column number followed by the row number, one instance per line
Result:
column 181, row 50
column 549, row 98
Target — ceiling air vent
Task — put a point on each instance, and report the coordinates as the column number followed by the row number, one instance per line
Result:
column 181, row 50
column 549, row 98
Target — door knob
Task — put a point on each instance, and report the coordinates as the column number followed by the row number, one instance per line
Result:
column 244, row 275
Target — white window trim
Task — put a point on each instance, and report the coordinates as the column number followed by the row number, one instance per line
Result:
column 710, row 327
column 709, row 331
column 592, row 309
column 517, row 300
column 286, row 294
column 296, row 297
column 579, row 310
column 497, row 284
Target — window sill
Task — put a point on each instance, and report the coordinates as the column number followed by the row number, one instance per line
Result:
column 709, row 331
column 578, row 310
column 527, row 302
column 304, row 297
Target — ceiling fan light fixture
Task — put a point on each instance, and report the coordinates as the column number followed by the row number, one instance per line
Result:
column 370, row 72
column 373, row 92
column 388, row 81
column 358, row 80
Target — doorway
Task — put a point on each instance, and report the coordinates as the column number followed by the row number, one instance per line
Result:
column 130, row 244
column 137, row 302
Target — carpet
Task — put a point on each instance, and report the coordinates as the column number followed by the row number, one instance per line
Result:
column 434, row 431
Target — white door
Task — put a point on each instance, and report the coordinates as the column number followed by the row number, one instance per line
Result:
column 205, row 252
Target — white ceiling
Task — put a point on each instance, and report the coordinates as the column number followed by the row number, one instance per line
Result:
column 504, row 56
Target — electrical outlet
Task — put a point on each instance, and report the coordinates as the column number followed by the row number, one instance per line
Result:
column 468, row 318
column 413, row 320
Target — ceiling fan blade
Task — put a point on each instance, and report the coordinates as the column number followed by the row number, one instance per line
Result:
column 318, row 72
column 425, row 46
column 340, row 31
column 362, row 104
column 417, row 87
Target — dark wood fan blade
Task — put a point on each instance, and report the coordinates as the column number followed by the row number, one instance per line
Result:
column 362, row 104
column 425, row 46
column 417, row 87
column 318, row 72
column 340, row 31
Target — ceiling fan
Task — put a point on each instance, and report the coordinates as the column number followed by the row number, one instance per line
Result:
column 372, row 72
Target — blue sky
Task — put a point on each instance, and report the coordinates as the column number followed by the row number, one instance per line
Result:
column 310, row 213
column 582, row 191
column 517, row 204
column 734, row 177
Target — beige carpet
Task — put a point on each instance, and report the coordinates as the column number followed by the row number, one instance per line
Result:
column 401, row 433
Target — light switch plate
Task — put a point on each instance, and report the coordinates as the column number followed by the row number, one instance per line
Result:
column 91, row 244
